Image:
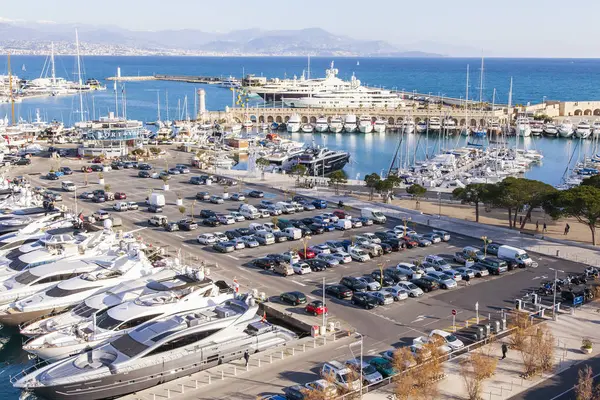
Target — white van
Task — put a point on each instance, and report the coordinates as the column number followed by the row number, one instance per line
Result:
column 376, row 215
column 121, row 206
column 515, row 254
column 265, row 238
column 293, row 233
column 343, row 224
column 157, row 199
column 68, row 186
column 249, row 211
column 341, row 375
column 285, row 208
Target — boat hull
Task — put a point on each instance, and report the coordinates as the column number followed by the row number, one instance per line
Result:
column 293, row 128
column 350, row 128
column 17, row 318
column 379, row 128
column 582, row 134
column 322, row 128
column 335, row 128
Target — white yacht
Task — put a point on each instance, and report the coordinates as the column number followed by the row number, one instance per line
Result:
column 550, row 129
column 350, row 123
column 158, row 351
column 596, row 129
column 322, row 125
column 435, row 124
column 421, row 127
column 408, row 125
column 230, row 82
column 293, row 124
column 336, row 124
column 73, row 291
column 494, row 127
column 380, row 125
column 247, row 124
column 307, row 128
column 565, row 129
column 360, row 97
column 31, row 233
column 536, row 128
column 523, row 128
column 182, row 293
column 365, row 124
column 449, row 126
column 583, row 130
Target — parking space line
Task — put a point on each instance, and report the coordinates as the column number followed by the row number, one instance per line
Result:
column 180, row 236
column 298, row 283
column 183, row 244
column 230, row 256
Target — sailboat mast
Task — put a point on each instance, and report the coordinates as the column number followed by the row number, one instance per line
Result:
column 10, row 89
column 52, row 62
column 79, row 80
column 158, row 105
column 309, row 66
column 467, row 103
column 481, row 84
column 167, row 101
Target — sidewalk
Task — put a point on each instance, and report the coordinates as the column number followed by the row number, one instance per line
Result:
column 568, row 331
column 572, row 251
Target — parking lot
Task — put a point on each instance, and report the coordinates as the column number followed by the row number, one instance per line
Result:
column 384, row 326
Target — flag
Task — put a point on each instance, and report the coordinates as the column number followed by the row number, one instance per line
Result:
column 80, row 217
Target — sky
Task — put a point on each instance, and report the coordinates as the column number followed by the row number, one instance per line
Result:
column 549, row 28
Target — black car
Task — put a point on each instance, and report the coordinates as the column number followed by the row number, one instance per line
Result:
column 144, row 174
column 364, row 300
column 154, row 208
column 295, row 392
column 339, row 291
column 354, row 284
column 202, row 195
column 243, row 231
column 117, row 165
column 207, row 214
column 232, row 234
column 278, row 258
column 426, row 284
column 145, row 167
column 395, row 244
column 396, row 275
column 97, row 167
column 386, row 248
column 316, row 228
column 52, row 176
column 211, row 221
column 264, row 263
column 316, row 265
column 385, row 281
column 187, row 224
column 66, row 170
column 294, row 298
column 384, row 236
column 257, row 194
column 23, row 161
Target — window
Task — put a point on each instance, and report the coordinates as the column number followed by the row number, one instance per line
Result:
column 137, row 321
column 58, row 292
column 181, row 341
column 83, row 310
column 128, row 346
column 57, row 278
column 26, row 278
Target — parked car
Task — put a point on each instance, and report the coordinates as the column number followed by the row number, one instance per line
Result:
column 301, row 268
column 250, row 241
column 316, row 265
column 410, row 288
column 364, row 300
column 427, row 285
column 202, row 195
column 353, row 283
column 432, row 237
column 226, row 219
column 383, row 297
column 383, row 366
column 224, row 247
column 171, row 226
column 120, row 196
column 216, row 200
column 144, row 174
column 383, row 279
column 66, row 170
column 187, row 224
column 206, row 239
column 372, row 284
column 207, row 213
column 256, row 194
column 339, row 291
column 306, row 254
column 409, row 242
column 294, row 298
column 316, row 307
column 479, row 270
column 211, row 221
column 237, row 197
column 265, row 263
column 341, row 256
column 445, row 281
column 155, row 208
column 398, row 293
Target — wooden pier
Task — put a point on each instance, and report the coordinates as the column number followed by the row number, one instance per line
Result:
column 209, row 80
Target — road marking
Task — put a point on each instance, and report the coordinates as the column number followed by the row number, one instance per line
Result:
column 419, row 319
column 230, row 256
column 183, row 244
column 180, row 236
column 299, row 283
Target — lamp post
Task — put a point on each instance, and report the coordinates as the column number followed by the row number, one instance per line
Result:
column 361, row 358
column 406, row 220
column 485, row 245
column 380, row 265
column 439, row 195
column 556, row 271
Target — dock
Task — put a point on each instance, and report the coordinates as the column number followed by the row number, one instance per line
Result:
column 208, row 80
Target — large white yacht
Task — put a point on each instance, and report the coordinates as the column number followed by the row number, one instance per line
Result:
column 183, row 292
column 365, row 124
column 583, row 129
column 360, row 97
column 421, row 127
column 350, row 123
column 596, row 129
column 336, row 124
column 158, row 351
column 550, row 129
column 34, row 231
column 67, row 293
column 434, row 124
column 321, row 125
column 380, row 125
column 294, row 123
column 408, row 125
column 536, row 128
column 565, row 129
column 523, row 127
column 449, row 126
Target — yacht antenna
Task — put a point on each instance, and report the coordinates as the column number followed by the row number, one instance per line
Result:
column 78, row 73
column 467, row 103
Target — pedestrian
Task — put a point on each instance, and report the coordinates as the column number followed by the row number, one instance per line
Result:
column 568, row 228
column 504, row 350
column 247, row 357
column 467, row 280
column 521, row 220
column 537, row 226
column 545, row 229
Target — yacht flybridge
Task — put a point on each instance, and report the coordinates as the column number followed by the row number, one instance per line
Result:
column 158, row 351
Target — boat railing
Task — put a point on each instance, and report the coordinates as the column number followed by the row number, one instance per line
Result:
column 28, row 370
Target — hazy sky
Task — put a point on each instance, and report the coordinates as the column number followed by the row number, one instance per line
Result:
column 501, row 28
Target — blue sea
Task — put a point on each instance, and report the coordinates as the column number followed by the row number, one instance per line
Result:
column 534, row 80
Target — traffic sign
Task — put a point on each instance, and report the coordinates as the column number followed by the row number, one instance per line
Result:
column 453, row 312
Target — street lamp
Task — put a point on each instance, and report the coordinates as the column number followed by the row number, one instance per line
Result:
column 556, row 271
column 361, row 358
column 406, row 220
column 439, row 195
column 485, row 244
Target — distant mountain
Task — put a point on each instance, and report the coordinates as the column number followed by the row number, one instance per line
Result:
column 35, row 38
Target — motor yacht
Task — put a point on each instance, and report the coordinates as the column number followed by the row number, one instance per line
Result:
column 354, row 98
column 421, row 127
column 307, row 128
column 494, row 127
column 350, row 123
column 434, row 124
column 53, row 222
column 596, row 129
column 336, row 124
column 583, row 129
column 380, row 125
column 247, row 124
column 365, row 124
column 293, row 124
column 322, row 125
column 181, row 293
column 449, row 126
column 536, row 128
column 523, row 127
column 565, row 129
column 70, row 292
column 408, row 125
column 158, row 351
column 550, row 129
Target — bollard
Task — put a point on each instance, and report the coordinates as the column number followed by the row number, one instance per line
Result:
column 234, row 371
column 222, row 375
column 303, row 347
column 153, row 396
column 466, row 323
column 247, row 367
column 557, row 253
column 182, row 389
column 282, row 354
column 209, row 379
column 196, row 382
column 314, row 343
column 168, row 393
column 259, row 363
column 270, row 358
column 293, row 351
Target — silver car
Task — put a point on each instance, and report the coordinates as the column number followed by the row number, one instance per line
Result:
column 445, row 281
column 383, row 297
column 250, row 241
column 464, row 272
column 397, row 293
column 410, row 288
column 331, row 260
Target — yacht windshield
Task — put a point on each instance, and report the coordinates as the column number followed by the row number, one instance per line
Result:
column 105, row 321
column 58, row 292
column 128, row 346
column 84, row 311
column 26, row 278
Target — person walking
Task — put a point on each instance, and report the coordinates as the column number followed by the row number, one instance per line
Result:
column 467, row 280
column 545, row 229
column 520, row 220
column 247, row 357
column 568, row 228
column 537, row 226
column 504, row 350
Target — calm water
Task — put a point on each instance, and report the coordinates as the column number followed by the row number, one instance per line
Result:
column 534, row 79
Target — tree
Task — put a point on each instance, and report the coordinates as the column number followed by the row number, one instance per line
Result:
column 384, row 187
column 417, row 191
column 581, row 203
column 404, row 386
column 584, row 389
column 474, row 369
column 371, row 181
column 593, row 180
column 298, row 170
column 262, row 163
column 473, row 193
column 338, row 178
column 181, row 210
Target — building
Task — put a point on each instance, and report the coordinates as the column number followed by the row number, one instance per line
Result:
column 110, row 136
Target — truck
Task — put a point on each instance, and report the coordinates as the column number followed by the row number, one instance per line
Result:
column 292, row 233
column 374, row 214
column 514, row 254
column 157, row 199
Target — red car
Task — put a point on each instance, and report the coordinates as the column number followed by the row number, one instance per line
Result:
column 97, row 160
column 410, row 243
column 340, row 214
column 309, row 254
column 120, row 196
column 86, row 169
column 316, row 308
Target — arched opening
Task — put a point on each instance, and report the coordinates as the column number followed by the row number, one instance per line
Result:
column 391, row 121
column 278, row 119
column 261, row 119
column 253, row 118
column 473, row 122
column 328, row 120
column 270, row 119
column 577, row 112
column 287, row 118
column 373, row 119
column 304, row 119
column 399, row 121
column 462, row 122
column 417, row 120
column 482, row 122
column 313, row 120
column 597, row 111
column 587, row 112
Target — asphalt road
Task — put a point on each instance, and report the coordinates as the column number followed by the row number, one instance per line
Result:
column 383, row 327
